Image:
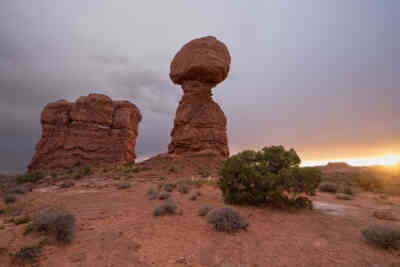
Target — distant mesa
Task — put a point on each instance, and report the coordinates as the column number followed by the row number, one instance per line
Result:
column 338, row 165
column 200, row 123
column 94, row 128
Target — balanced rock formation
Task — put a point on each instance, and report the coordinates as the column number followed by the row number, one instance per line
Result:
column 200, row 124
column 94, row 128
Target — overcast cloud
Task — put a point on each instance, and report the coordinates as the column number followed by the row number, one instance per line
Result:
column 320, row 76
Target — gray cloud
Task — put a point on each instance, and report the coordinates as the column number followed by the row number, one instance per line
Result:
column 320, row 76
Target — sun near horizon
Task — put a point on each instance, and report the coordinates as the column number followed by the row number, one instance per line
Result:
column 385, row 160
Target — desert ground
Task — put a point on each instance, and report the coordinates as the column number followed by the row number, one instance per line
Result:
column 116, row 227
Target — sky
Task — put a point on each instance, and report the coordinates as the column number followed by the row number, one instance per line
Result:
column 318, row 76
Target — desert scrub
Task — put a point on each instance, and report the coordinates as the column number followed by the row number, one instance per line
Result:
column 20, row 189
column 226, row 219
column 56, row 222
column 382, row 236
column 30, row 177
column 183, row 188
column 271, row 176
column 84, row 171
column 328, row 187
column 9, row 199
column 168, row 206
column 124, row 185
column 163, row 196
column 169, row 187
column 27, row 254
column 160, row 185
column 204, row 173
column 152, row 193
column 204, row 210
column 21, row 219
column 193, row 197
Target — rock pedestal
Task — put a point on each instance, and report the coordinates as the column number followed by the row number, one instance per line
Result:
column 200, row 124
column 94, row 128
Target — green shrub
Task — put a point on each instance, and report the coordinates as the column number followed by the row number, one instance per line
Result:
column 382, row 235
column 21, row 220
column 76, row 164
column 271, row 176
column 30, row 177
column 328, row 187
column 8, row 199
column 226, row 219
column 168, row 206
column 204, row 210
column 56, row 222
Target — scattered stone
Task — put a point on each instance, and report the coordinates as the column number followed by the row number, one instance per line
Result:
column 385, row 214
column 94, row 128
column 200, row 123
column 163, row 196
column 124, row 185
column 343, row 196
column 67, row 184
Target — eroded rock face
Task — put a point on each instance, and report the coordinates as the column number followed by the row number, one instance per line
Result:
column 94, row 128
column 200, row 124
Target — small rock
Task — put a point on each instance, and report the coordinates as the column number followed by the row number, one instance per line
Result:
column 67, row 184
column 181, row 260
column 385, row 214
column 343, row 196
column 3, row 207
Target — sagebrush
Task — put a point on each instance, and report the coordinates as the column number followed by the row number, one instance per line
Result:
column 384, row 236
column 226, row 219
column 56, row 222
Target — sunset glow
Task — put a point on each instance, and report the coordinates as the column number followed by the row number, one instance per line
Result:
column 387, row 160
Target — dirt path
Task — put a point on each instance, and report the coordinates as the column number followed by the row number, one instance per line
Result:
column 117, row 228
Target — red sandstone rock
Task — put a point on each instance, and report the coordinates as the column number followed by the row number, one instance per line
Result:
column 94, row 128
column 200, row 124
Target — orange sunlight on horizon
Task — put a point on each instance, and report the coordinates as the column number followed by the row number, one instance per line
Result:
column 387, row 160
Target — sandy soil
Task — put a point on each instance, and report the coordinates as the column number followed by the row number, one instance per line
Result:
column 117, row 228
